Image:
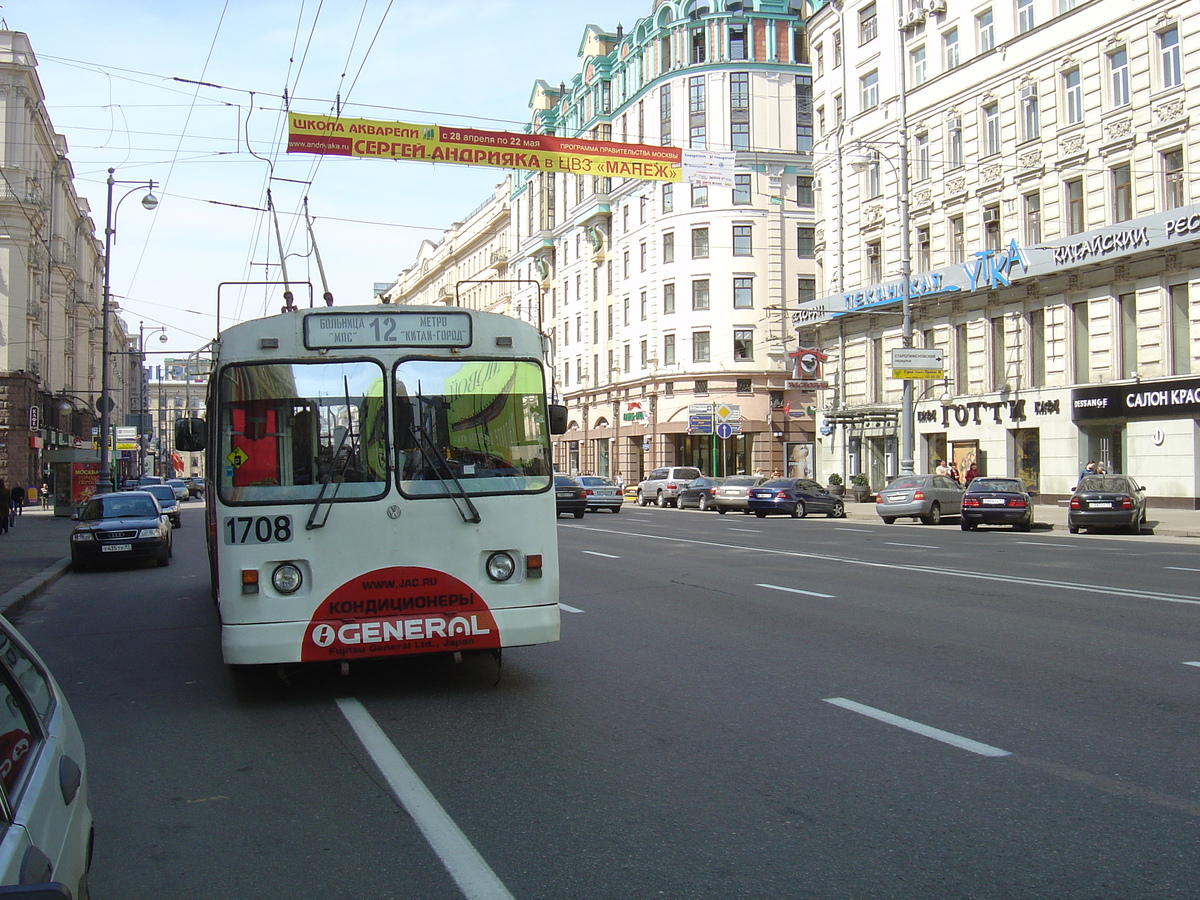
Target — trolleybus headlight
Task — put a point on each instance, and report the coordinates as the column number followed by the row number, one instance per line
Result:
column 500, row 566
column 287, row 579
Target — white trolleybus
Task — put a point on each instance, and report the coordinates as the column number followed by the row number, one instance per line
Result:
column 381, row 485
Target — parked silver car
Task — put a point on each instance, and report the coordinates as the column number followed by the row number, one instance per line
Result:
column 732, row 494
column 602, row 493
column 924, row 497
column 47, row 834
column 662, row 486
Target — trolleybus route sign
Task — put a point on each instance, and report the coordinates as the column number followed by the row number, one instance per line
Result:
column 392, row 328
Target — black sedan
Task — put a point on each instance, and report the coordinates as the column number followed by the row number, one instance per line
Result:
column 997, row 501
column 125, row 527
column 569, row 497
column 795, row 497
column 1107, row 501
column 700, row 493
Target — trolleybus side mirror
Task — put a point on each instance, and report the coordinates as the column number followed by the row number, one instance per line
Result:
column 558, row 418
column 190, row 435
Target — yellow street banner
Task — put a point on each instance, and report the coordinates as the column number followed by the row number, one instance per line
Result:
column 330, row 136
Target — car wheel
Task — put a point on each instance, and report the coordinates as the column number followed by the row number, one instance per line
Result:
column 1072, row 528
column 721, row 510
column 838, row 511
column 1027, row 525
column 662, row 501
column 888, row 520
column 966, row 527
column 704, row 504
column 616, row 509
column 935, row 515
column 799, row 511
column 163, row 561
column 761, row 515
column 1135, row 527
column 641, row 501
column 579, row 514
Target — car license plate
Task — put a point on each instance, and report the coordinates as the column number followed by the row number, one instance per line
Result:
column 993, row 501
column 1100, row 506
column 564, row 495
column 896, row 498
column 115, row 548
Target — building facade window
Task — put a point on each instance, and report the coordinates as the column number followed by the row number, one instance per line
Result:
column 923, row 167
column 743, row 243
column 668, row 298
column 924, row 249
column 701, row 353
column 950, row 48
column 699, row 243
column 991, row 227
column 700, row 293
column 806, row 288
column 743, row 292
column 954, row 143
column 991, row 129
column 739, row 110
column 1072, row 96
column 874, row 262
column 985, row 30
column 699, row 196
column 1032, row 204
column 697, row 113
column 868, row 24
column 1118, row 77
column 1171, row 69
column 806, row 242
column 668, row 246
column 668, row 349
column 957, row 235
column 741, row 189
column 1076, row 220
column 743, row 345
column 1024, row 16
column 668, row 197
column 869, row 85
column 805, row 196
column 804, row 114
column 1172, row 169
column 918, row 66
column 1184, row 328
column 1031, row 120
column 1122, row 192
column 664, row 115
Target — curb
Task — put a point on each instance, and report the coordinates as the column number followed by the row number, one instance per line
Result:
column 14, row 600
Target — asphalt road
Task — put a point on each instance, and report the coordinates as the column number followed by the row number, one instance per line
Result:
column 738, row 708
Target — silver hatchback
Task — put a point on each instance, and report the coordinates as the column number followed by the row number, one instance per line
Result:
column 924, row 497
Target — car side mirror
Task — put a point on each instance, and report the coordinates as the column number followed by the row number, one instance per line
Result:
column 190, row 435
column 558, row 418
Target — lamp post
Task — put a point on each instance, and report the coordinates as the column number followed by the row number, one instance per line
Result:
column 906, row 402
column 104, row 483
column 144, row 393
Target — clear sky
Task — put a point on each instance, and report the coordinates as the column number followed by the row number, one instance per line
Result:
column 109, row 71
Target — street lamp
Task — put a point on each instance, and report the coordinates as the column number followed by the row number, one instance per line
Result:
column 104, row 483
column 873, row 156
column 143, row 393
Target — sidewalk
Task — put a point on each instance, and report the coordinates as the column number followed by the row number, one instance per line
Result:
column 37, row 549
column 34, row 553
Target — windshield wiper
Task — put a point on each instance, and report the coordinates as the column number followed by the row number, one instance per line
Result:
column 441, row 469
column 334, row 469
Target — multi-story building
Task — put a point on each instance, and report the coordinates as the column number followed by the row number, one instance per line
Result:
column 1036, row 155
column 51, row 278
column 667, row 304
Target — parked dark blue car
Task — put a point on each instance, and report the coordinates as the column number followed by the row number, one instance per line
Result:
column 795, row 497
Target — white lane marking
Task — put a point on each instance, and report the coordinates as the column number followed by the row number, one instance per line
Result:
column 859, row 530
column 747, row 530
column 1197, row 664
column 915, row 568
column 776, row 587
column 470, row 872
column 1047, row 544
column 918, row 546
column 595, row 553
column 937, row 734
column 1180, row 569
column 566, row 608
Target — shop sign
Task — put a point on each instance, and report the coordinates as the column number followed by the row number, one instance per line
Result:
column 1178, row 398
column 975, row 413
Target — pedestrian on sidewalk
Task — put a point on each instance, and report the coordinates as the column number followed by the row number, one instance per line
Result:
column 45, row 492
column 5, row 507
column 18, row 501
